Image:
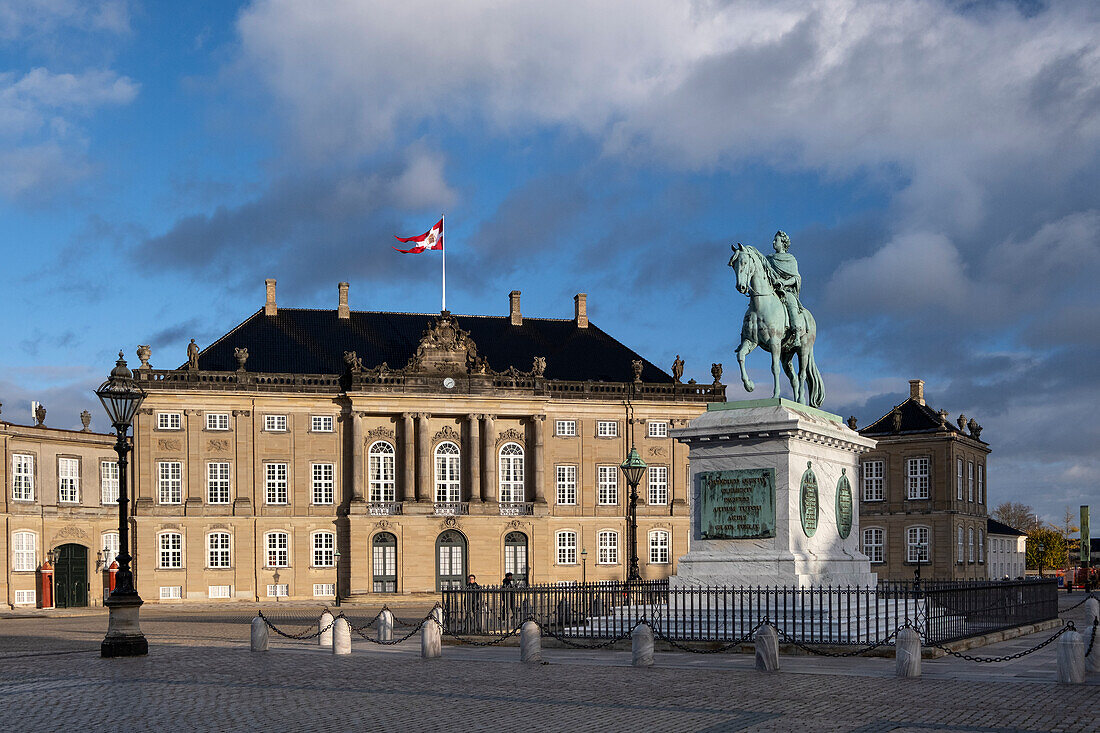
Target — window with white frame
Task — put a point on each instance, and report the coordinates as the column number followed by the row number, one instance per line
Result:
column 917, row 477
column 874, row 540
column 970, row 544
column 169, row 482
column 68, row 480
column 171, row 550
column 874, row 480
column 323, row 483
column 448, row 469
column 383, row 470
column 981, row 546
column 970, row 480
column 169, row 421
column 276, row 488
column 959, row 557
column 275, row 423
column 278, row 549
column 567, row 548
column 607, row 484
column 217, row 591
column 24, row 551
column 916, row 544
column 607, row 429
column 109, row 542
column 171, row 592
column 565, row 428
column 22, row 477
column 278, row 590
column 959, row 479
column 657, row 429
column 26, row 598
column 657, row 482
column 607, row 547
column 217, row 483
column 567, row 484
column 658, row 547
column 217, row 421
column 320, row 423
column 322, row 590
column 324, row 546
column 217, row 550
column 511, row 473
column 108, row 482
column 981, row 484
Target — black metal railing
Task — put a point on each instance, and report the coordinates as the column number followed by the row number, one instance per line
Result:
column 942, row 611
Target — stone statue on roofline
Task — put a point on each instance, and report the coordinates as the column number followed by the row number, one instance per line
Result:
column 677, row 369
column 192, row 355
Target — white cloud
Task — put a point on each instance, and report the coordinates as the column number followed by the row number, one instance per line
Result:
column 33, row 17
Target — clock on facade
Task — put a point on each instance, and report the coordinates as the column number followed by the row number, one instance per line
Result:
column 449, row 383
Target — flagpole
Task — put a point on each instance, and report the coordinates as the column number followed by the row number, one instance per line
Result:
column 442, row 235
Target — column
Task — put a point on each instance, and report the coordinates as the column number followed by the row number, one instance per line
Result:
column 489, row 475
column 358, row 466
column 408, row 452
column 476, row 494
column 539, row 424
column 196, row 468
column 424, row 459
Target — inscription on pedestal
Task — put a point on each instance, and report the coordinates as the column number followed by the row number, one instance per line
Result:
column 736, row 505
column 844, row 505
column 808, row 501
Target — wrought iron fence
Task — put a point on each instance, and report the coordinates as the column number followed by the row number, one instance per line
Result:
column 942, row 611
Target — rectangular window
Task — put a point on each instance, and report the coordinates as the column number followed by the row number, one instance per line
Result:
column 217, row 483
column 608, row 548
column 657, row 429
column 981, row 546
column 217, row 421
column 873, row 541
column 959, row 479
column 171, row 592
column 109, row 540
column 607, row 429
column 917, row 478
column 970, row 544
column 323, row 490
column 658, row 548
column 567, row 484
column 217, row 591
column 320, row 423
column 657, row 480
column 169, row 421
column 26, row 598
column 68, row 480
column 607, row 482
column 170, row 482
column 565, row 428
column 108, row 482
column 916, row 543
column 22, row 477
column 275, row 483
column 959, row 546
column 278, row 552
column 323, row 590
column 217, row 545
column 970, row 480
column 324, row 544
column 275, row 423
column 874, row 480
column 171, row 550
column 567, row 548
column 981, row 484
column 24, row 556
column 279, row 590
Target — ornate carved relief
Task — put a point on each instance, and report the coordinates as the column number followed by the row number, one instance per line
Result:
column 380, row 433
column 217, row 444
column 168, row 443
column 71, row 531
column 383, row 524
column 450, row 523
column 446, row 348
column 510, row 435
column 657, row 451
column 447, row 433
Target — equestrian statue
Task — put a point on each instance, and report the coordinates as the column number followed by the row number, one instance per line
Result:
column 776, row 320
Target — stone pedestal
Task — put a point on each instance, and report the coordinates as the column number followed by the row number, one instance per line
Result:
column 773, row 497
column 124, row 637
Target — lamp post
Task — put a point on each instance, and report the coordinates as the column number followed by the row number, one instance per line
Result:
column 121, row 398
column 336, row 580
column 633, row 468
column 584, row 566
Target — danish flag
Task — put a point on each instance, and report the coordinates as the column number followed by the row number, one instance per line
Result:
column 431, row 239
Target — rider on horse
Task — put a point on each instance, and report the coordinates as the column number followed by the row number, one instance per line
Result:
column 787, row 282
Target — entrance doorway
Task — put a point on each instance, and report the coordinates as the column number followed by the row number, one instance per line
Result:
column 515, row 556
column 70, row 577
column 385, row 563
column 450, row 567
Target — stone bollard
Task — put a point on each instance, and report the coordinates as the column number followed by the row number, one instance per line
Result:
column 385, row 625
column 1092, row 661
column 431, row 640
column 530, row 643
column 1092, row 611
column 260, row 635
column 907, row 653
column 1071, row 658
column 341, row 636
column 767, row 649
column 641, row 645
column 437, row 614
column 325, row 639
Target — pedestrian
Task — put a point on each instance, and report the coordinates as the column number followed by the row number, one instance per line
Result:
column 508, row 601
column 473, row 602
column 508, row 581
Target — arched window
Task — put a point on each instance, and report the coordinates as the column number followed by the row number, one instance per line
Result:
column 278, row 549
column 24, row 547
column 959, row 545
column 658, row 547
column 515, row 556
column 382, row 472
column 324, row 546
column 567, row 547
column 217, row 550
column 447, row 472
column 981, row 546
column 916, row 544
column 171, row 550
column 970, row 544
column 874, row 540
column 109, row 540
column 451, row 566
column 384, row 559
column 511, row 473
column 607, row 547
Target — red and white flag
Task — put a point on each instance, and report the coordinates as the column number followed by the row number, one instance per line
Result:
column 431, row 239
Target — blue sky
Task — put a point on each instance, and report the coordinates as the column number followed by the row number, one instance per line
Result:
column 935, row 164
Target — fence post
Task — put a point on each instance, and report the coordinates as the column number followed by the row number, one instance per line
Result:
column 325, row 639
column 1071, row 658
column 341, row 636
column 530, row 643
column 260, row 635
column 767, row 649
column 641, row 645
column 385, row 625
column 431, row 639
column 907, row 653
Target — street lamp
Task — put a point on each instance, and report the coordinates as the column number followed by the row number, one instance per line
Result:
column 584, row 566
column 336, row 584
column 633, row 468
column 121, row 398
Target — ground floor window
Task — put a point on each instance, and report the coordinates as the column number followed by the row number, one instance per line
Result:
column 873, row 541
column 384, row 559
column 658, row 547
column 515, row 556
column 451, row 565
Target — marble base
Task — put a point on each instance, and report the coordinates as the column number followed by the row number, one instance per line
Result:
column 325, row 625
column 385, row 625
column 907, row 653
column 124, row 637
column 1071, row 659
column 431, row 640
column 530, row 643
column 341, row 636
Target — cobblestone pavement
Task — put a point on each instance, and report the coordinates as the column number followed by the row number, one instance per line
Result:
column 199, row 675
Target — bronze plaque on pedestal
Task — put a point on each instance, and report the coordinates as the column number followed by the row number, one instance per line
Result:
column 736, row 505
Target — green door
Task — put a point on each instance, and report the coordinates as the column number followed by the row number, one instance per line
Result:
column 70, row 576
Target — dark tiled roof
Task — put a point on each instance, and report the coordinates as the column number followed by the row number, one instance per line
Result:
column 915, row 418
column 304, row 341
column 994, row 527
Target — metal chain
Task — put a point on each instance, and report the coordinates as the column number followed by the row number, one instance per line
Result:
column 297, row 637
column 602, row 644
column 358, row 630
column 1018, row 655
column 1095, row 623
column 367, row 625
column 498, row 640
column 1085, row 600
column 823, row 653
column 718, row 650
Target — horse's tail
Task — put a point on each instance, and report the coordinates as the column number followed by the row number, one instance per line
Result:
column 815, row 386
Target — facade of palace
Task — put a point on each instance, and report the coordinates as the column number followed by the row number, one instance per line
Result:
column 313, row 451
column 1007, row 551
column 923, row 494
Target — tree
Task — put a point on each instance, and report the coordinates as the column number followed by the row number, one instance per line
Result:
column 1046, row 548
column 1018, row 516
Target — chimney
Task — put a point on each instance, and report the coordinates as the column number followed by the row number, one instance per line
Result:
column 342, row 310
column 269, row 307
column 580, row 301
column 513, row 308
column 916, row 390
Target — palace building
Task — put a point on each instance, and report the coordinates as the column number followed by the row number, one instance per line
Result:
column 310, row 452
